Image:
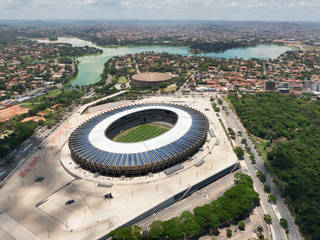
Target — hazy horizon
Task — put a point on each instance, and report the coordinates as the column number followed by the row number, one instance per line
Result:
column 207, row 10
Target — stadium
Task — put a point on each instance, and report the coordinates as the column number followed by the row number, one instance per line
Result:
column 150, row 79
column 138, row 139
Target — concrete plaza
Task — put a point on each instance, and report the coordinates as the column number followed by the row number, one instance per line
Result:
column 38, row 208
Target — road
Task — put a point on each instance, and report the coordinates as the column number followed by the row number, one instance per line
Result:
column 40, row 206
column 24, row 151
column 275, row 212
column 199, row 198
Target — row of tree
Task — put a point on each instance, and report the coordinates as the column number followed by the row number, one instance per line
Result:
column 235, row 204
column 294, row 154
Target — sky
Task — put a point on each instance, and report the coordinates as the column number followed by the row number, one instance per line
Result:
column 266, row 10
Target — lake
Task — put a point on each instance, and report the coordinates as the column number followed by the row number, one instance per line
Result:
column 90, row 67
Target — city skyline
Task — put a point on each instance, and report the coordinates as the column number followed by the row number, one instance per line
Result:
column 236, row 10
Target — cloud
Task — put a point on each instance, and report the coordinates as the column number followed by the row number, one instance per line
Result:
column 172, row 9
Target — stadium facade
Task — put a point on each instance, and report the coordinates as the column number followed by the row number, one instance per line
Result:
column 150, row 79
column 92, row 147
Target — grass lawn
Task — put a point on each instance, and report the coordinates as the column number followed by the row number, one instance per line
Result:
column 261, row 145
column 26, row 104
column 140, row 133
column 122, row 80
column 55, row 92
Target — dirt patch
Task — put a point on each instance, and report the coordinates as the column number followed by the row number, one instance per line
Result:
column 170, row 88
column 11, row 112
column 34, row 118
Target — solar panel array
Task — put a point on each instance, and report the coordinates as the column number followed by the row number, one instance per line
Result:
column 130, row 164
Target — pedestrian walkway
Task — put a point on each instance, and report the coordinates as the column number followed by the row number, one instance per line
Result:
column 10, row 227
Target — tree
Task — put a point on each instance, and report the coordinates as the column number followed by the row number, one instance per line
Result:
column 267, row 188
column 244, row 141
column 261, row 176
column 239, row 152
column 267, row 218
column 248, row 149
column 156, row 231
column 252, row 158
column 203, row 215
column 241, row 225
column 229, row 233
column 293, row 156
column 284, row 224
column 260, row 232
column 190, row 225
column 173, row 228
column 231, row 133
column 259, row 229
column 137, row 232
column 234, row 204
column 272, row 199
column 128, row 233
column 242, row 178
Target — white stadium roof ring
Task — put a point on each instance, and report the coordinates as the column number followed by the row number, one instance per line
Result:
column 92, row 147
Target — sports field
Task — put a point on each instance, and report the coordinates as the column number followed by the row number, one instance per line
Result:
column 141, row 133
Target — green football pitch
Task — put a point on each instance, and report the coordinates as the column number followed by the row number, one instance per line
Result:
column 141, row 133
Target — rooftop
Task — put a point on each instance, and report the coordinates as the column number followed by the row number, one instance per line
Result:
column 152, row 77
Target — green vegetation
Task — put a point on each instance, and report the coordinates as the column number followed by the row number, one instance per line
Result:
column 239, row 152
column 251, row 155
column 215, row 107
column 21, row 132
column 229, row 233
column 231, row 133
column 267, row 188
column 122, row 80
column 248, row 149
column 226, row 131
column 128, row 233
column 261, row 176
column 267, row 218
column 217, row 47
column 252, row 158
column 272, row 199
column 293, row 157
column 260, row 232
column 284, row 224
column 262, row 146
column 235, row 204
column 141, row 133
column 241, row 225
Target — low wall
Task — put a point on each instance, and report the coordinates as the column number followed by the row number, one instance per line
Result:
column 179, row 196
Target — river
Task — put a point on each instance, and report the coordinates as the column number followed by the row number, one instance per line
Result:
column 91, row 67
